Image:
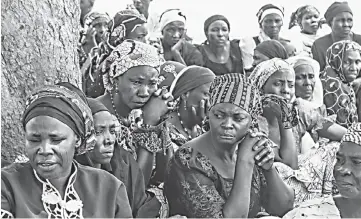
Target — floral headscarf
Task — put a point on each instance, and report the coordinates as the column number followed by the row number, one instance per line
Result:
column 353, row 134
column 67, row 104
column 127, row 55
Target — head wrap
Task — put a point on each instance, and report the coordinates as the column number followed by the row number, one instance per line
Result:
column 272, row 49
column 296, row 17
column 125, row 56
column 170, row 16
column 335, row 55
column 335, row 9
column 65, row 105
column 266, row 69
column 269, row 9
column 190, row 78
column 124, row 23
column 96, row 106
column 168, row 71
column 214, row 18
column 94, row 18
column 353, row 134
column 236, row 89
column 296, row 61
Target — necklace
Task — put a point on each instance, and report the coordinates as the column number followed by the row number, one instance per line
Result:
column 184, row 128
column 115, row 109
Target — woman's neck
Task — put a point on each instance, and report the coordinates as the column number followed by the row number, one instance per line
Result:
column 121, row 109
column 223, row 152
column 61, row 182
column 188, row 120
column 349, row 208
column 337, row 38
column 219, row 51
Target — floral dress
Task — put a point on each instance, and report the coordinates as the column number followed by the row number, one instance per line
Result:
column 195, row 189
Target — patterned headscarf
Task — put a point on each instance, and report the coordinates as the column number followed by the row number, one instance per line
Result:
column 353, row 134
column 335, row 55
column 168, row 71
column 94, row 18
column 236, row 89
column 125, row 56
column 266, row 69
column 124, row 23
column 64, row 103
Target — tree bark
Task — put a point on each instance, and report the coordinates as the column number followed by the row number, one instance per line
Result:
column 39, row 46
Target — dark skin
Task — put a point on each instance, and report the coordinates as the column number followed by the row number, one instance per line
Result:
column 271, row 25
column 142, row 6
column 173, row 40
column 310, row 22
column 341, row 26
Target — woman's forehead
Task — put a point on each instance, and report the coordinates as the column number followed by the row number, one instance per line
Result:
column 229, row 108
column 143, row 72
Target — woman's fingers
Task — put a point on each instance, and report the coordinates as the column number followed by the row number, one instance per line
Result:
column 269, row 158
column 202, row 111
column 262, row 153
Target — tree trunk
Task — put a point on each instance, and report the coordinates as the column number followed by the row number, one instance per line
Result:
column 39, row 46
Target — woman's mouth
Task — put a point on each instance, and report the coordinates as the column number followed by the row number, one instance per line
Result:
column 47, row 165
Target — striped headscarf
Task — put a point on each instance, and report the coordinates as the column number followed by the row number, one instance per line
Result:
column 353, row 134
column 236, row 89
column 68, row 104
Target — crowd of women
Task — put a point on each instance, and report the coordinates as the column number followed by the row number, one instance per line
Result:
column 257, row 127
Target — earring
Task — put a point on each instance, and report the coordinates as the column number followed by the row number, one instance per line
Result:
column 185, row 104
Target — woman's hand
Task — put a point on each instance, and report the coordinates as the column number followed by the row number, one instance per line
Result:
column 250, row 146
column 265, row 157
column 90, row 36
column 178, row 46
column 201, row 111
column 157, row 106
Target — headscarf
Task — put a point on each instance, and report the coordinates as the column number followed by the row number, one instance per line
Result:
column 125, row 56
column 296, row 61
column 96, row 106
column 296, row 17
column 190, row 78
column 339, row 96
column 236, row 89
column 353, row 134
column 171, row 15
column 95, row 17
column 266, row 69
column 66, row 105
column 335, row 9
column 214, row 18
column 168, row 71
column 269, row 9
column 124, row 23
column 272, row 49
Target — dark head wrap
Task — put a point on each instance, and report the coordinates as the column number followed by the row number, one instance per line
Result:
column 214, row 18
column 63, row 103
column 269, row 9
column 272, row 49
column 96, row 106
column 123, row 23
column 335, row 9
column 169, row 71
column 190, row 78
column 296, row 17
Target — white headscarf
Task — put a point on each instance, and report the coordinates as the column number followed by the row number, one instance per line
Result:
column 170, row 16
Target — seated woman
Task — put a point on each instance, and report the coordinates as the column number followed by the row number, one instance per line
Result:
column 347, row 174
column 131, row 83
column 309, row 172
column 173, row 44
column 58, row 125
column 270, row 19
column 209, row 178
column 124, row 167
column 343, row 67
column 127, row 24
column 268, row 50
column 220, row 54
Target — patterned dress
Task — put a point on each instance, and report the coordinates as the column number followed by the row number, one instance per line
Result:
column 195, row 189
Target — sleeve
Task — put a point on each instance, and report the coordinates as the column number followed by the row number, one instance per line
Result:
column 193, row 193
column 193, row 56
column 315, row 118
column 6, row 201
column 247, row 46
column 123, row 209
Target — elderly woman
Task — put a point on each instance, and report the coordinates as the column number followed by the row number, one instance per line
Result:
column 220, row 54
column 270, row 19
column 307, row 171
column 126, row 24
column 131, row 83
column 124, row 167
column 343, row 67
column 227, row 172
column 307, row 18
column 339, row 17
column 268, row 50
column 58, row 124
column 173, row 44
column 348, row 177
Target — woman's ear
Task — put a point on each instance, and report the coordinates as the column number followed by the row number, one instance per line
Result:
column 77, row 142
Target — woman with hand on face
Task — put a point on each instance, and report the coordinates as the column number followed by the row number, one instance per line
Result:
column 309, row 172
column 339, row 17
column 220, row 54
column 347, row 174
column 58, row 124
column 131, row 83
column 143, row 203
column 227, row 172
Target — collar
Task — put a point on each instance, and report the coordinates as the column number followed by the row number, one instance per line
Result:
column 72, row 177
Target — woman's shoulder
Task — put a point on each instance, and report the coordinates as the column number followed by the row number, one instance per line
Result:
column 100, row 177
column 16, row 169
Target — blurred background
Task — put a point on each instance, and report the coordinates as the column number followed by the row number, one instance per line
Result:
column 241, row 14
